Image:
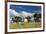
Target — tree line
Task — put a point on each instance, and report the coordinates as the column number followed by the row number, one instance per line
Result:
column 37, row 18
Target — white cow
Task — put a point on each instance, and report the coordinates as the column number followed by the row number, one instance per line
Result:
column 25, row 20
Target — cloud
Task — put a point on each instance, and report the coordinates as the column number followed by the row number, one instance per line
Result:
column 13, row 12
column 22, row 14
column 25, row 14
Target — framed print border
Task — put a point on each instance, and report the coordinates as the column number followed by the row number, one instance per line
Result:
column 24, row 2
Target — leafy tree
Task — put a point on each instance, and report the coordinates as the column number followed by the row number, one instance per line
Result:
column 18, row 19
column 37, row 17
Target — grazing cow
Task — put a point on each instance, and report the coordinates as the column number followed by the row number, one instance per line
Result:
column 25, row 20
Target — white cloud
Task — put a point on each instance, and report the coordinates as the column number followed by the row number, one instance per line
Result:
column 13, row 12
column 22, row 14
column 25, row 14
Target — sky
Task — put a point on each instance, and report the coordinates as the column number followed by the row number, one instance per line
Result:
column 23, row 10
column 29, row 9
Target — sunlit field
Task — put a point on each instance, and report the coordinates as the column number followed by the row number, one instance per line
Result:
column 25, row 25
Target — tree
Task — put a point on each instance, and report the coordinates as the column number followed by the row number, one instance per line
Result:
column 37, row 17
column 18, row 19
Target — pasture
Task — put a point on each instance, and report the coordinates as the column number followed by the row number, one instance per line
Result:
column 25, row 25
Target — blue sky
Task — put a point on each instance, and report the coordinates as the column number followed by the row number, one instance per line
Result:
column 29, row 9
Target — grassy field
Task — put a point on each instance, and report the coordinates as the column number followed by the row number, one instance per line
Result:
column 25, row 25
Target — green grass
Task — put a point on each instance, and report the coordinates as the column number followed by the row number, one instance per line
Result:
column 25, row 25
